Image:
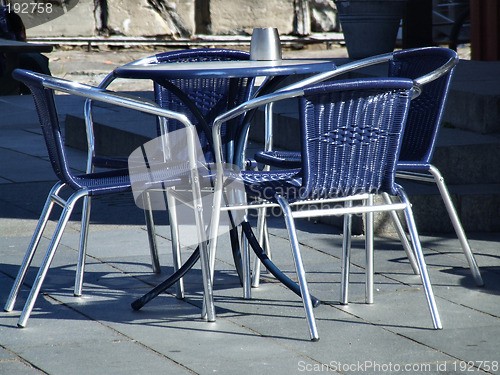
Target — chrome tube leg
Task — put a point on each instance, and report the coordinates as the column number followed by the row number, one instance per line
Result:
column 208, row 301
column 208, row 309
column 402, row 236
column 369, row 253
column 212, row 243
column 42, row 272
column 30, row 252
column 176, row 244
column 262, row 222
column 346, row 258
column 260, row 230
column 150, row 226
column 457, row 225
column 245, row 259
column 82, row 253
column 299, row 268
column 429, row 294
column 214, row 226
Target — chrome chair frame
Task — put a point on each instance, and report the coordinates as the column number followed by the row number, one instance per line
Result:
column 121, row 100
column 431, row 175
column 161, row 58
column 294, row 91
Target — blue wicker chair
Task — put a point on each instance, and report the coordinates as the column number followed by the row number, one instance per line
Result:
column 89, row 184
column 350, row 135
column 200, row 100
column 432, row 68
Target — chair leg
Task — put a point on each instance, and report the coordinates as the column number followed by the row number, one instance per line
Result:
column 176, row 245
column 299, row 268
column 245, row 258
column 208, row 308
column 369, row 253
column 402, row 236
column 80, row 267
column 429, row 294
column 346, row 257
column 42, row 222
column 150, row 226
column 261, row 230
column 457, row 225
column 42, row 272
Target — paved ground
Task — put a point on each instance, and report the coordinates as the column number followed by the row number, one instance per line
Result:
column 92, row 66
column 100, row 333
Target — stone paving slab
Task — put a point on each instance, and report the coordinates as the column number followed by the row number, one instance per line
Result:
column 100, row 333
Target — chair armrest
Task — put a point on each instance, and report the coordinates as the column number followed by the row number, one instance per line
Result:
column 241, row 109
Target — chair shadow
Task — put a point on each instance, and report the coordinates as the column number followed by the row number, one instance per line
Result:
column 106, row 302
column 490, row 275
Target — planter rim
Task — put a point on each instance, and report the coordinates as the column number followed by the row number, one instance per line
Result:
column 367, row 1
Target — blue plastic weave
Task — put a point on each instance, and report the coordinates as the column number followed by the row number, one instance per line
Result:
column 351, row 135
column 207, row 98
column 96, row 183
column 424, row 116
column 210, row 96
column 426, row 110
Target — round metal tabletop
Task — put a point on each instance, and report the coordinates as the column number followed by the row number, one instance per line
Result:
column 224, row 69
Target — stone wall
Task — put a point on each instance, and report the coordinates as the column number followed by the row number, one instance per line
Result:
column 79, row 21
column 123, row 17
column 180, row 18
column 241, row 16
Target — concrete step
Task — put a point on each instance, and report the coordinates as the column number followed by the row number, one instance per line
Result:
column 473, row 102
column 477, row 206
column 466, row 157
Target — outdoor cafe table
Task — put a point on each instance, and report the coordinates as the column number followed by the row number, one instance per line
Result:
column 225, row 69
column 275, row 71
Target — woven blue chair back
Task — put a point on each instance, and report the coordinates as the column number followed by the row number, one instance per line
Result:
column 47, row 114
column 351, row 133
column 211, row 96
column 426, row 111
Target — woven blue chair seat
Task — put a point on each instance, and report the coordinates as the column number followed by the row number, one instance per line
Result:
column 342, row 150
column 279, row 159
column 413, row 166
column 101, row 183
column 265, row 185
